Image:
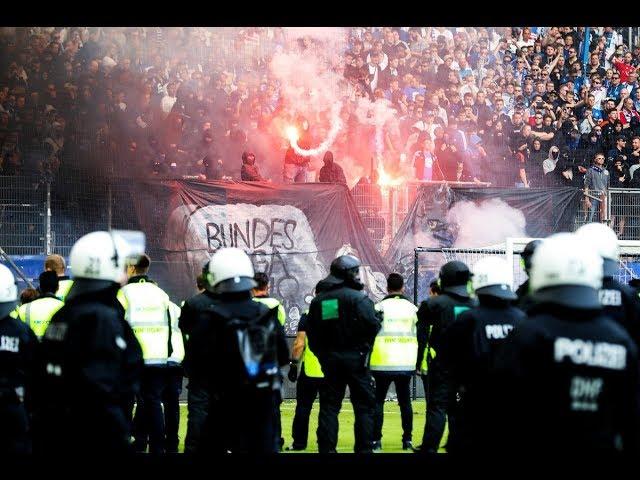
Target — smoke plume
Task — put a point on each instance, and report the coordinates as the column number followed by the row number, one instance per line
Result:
column 486, row 224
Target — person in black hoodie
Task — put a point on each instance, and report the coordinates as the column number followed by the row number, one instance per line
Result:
column 533, row 166
column 249, row 171
column 619, row 173
column 331, row 172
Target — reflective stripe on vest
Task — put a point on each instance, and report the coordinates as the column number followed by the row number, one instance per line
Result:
column 272, row 303
column 177, row 343
column 310, row 362
column 147, row 311
column 63, row 289
column 396, row 346
column 424, row 366
column 38, row 313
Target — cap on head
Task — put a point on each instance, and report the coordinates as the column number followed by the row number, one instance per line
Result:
column 566, row 271
column 491, row 277
column 230, row 270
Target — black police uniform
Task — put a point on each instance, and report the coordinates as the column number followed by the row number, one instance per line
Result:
column 472, row 342
column 241, row 413
column 620, row 301
column 89, row 366
column 341, row 327
column 194, row 320
column 524, row 299
column 568, row 375
column 435, row 315
column 307, row 389
column 17, row 351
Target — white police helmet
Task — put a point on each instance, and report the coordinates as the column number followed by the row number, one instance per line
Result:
column 604, row 240
column 99, row 256
column 8, row 291
column 491, row 277
column 230, row 270
column 566, row 271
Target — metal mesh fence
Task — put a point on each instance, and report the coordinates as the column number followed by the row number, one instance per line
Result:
column 624, row 213
column 429, row 260
column 22, row 215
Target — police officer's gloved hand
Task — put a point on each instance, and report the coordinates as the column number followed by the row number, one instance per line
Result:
column 293, row 371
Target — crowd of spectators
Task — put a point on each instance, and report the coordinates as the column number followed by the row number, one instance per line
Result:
column 513, row 106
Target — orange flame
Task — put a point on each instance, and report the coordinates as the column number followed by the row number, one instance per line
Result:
column 292, row 133
column 386, row 180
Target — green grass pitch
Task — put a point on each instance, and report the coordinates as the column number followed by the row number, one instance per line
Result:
column 391, row 430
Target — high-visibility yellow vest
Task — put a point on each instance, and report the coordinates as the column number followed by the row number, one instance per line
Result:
column 147, row 311
column 273, row 303
column 310, row 362
column 38, row 313
column 396, row 346
column 63, row 289
column 177, row 343
column 424, row 366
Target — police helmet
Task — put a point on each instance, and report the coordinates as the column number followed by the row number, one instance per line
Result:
column 98, row 261
column 567, row 272
column 230, row 270
column 491, row 277
column 8, row 291
column 454, row 277
column 346, row 268
column 605, row 242
column 527, row 252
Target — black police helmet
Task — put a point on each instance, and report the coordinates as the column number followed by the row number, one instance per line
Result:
column 454, row 276
column 346, row 268
column 527, row 253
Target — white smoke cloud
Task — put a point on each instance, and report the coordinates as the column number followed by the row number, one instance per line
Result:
column 486, row 224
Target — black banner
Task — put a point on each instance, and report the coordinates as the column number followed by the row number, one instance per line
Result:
column 292, row 232
column 478, row 217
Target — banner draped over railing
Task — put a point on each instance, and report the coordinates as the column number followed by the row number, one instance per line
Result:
column 291, row 232
column 479, row 217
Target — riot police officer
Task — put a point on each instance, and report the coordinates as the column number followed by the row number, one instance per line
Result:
column 619, row 301
column 194, row 317
column 569, row 371
column 341, row 327
column 147, row 309
column 525, row 262
column 38, row 313
column 240, row 350
column 17, row 348
column 435, row 315
column 89, row 360
column 471, row 345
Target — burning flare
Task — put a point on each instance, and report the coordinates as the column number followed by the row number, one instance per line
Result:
column 386, row 180
column 292, row 134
